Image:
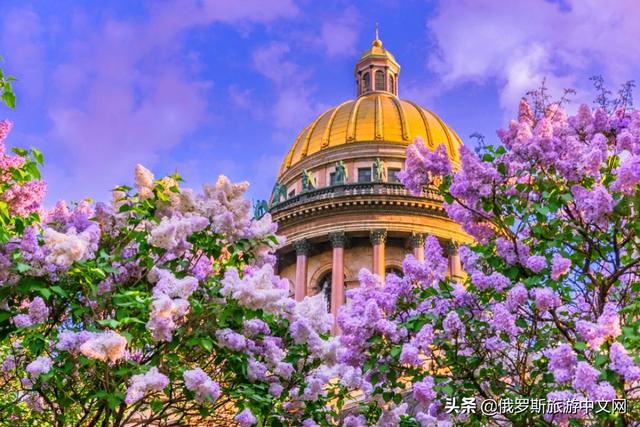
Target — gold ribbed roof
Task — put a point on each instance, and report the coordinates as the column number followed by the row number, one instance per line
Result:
column 375, row 117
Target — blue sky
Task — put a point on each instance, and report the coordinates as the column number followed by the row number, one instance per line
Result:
column 223, row 87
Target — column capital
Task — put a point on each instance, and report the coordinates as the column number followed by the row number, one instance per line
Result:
column 338, row 239
column 416, row 240
column 451, row 247
column 302, row 246
column 378, row 236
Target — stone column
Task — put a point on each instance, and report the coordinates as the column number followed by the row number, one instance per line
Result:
column 416, row 240
column 302, row 252
column 455, row 267
column 378, row 239
column 338, row 240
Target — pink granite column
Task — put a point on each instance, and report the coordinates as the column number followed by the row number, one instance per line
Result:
column 416, row 241
column 302, row 252
column 338, row 240
column 378, row 240
column 455, row 267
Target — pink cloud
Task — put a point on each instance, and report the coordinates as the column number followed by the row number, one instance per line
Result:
column 339, row 35
column 519, row 43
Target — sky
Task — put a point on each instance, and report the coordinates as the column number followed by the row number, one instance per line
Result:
column 210, row 87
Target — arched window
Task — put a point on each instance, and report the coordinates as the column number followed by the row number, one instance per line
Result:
column 324, row 287
column 366, row 83
column 394, row 270
column 392, row 86
column 379, row 80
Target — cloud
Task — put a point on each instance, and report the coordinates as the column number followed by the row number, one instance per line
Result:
column 125, row 90
column 339, row 35
column 517, row 44
column 293, row 107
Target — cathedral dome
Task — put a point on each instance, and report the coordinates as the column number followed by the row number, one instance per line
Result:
column 375, row 116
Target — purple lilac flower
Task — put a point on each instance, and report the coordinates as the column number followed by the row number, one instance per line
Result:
column 142, row 384
column 622, row 363
column 562, row 362
column 453, row 325
column 516, row 297
column 546, row 299
column 410, row 355
column 423, row 391
column 204, row 388
column 246, row 418
column 41, row 365
column 536, row 263
column 585, row 376
column 559, row 266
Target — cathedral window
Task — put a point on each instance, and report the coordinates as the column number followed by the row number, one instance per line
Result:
column 324, row 287
column 392, row 86
column 364, row 174
column 292, row 193
column 366, row 82
column 391, row 174
column 394, row 270
column 379, row 80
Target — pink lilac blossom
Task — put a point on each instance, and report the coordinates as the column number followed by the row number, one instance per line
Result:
column 105, row 346
column 559, row 266
column 41, row 365
column 144, row 181
column 142, row 384
column 246, row 418
column 65, row 249
column 204, row 388
column 25, row 198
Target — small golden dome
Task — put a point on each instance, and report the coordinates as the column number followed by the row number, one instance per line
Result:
column 375, row 117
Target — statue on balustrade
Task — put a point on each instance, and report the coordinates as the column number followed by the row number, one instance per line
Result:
column 341, row 175
column 379, row 171
column 308, row 181
column 279, row 194
column 260, row 207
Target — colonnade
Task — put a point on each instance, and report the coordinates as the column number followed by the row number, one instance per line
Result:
column 378, row 238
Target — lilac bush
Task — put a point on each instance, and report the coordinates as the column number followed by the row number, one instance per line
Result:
column 161, row 306
column 548, row 305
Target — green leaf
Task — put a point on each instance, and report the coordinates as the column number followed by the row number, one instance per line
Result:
column 37, row 154
column 112, row 323
column 10, row 99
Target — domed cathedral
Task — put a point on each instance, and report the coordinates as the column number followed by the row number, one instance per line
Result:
column 337, row 198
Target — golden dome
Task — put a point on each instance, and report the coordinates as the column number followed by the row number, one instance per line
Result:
column 374, row 117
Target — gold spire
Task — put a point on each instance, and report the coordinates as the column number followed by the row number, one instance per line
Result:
column 377, row 42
